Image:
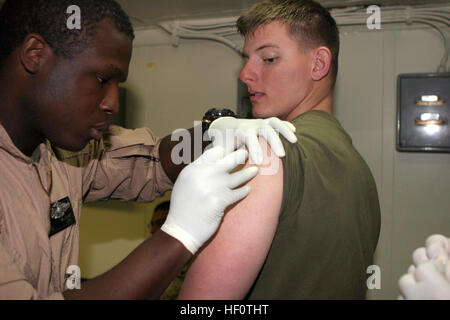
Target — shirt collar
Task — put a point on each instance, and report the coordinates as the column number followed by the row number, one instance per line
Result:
column 7, row 145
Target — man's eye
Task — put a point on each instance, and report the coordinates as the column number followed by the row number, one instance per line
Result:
column 102, row 80
column 270, row 60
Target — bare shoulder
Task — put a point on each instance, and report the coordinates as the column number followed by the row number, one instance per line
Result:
column 228, row 265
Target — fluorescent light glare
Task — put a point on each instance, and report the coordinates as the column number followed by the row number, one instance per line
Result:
column 429, row 98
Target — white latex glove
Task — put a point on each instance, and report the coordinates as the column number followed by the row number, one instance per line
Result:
column 232, row 133
column 429, row 276
column 426, row 282
column 437, row 247
column 201, row 193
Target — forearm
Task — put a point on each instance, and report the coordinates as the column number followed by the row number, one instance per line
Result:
column 144, row 274
column 197, row 145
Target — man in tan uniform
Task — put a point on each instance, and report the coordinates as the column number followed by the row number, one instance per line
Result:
column 57, row 86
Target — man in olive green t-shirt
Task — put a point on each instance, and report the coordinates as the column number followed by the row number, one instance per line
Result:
column 311, row 225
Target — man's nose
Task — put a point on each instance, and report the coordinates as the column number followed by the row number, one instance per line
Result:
column 248, row 73
column 110, row 104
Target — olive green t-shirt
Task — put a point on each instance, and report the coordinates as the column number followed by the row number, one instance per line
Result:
column 329, row 222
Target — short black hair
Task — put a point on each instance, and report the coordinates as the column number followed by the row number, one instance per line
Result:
column 307, row 21
column 48, row 18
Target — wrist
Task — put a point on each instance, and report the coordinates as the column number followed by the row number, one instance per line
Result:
column 182, row 236
column 213, row 114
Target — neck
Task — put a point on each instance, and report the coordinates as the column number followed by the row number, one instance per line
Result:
column 320, row 98
column 14, row 117
column 326, row 104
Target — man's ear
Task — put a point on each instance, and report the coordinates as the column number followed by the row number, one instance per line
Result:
column 32, row 52
column 321, row 63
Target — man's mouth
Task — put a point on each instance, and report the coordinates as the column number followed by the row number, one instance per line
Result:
column 256, row 96
column 96, row 132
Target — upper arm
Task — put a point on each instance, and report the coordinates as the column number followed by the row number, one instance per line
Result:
column 229, row 264
column 129, row 169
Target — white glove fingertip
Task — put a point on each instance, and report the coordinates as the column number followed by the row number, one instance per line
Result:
column 254, row 148
column 240, row 193
column 406, row 280
column 248, row 174
column 437, row 239
column 291, row 126
column 232, row 160
column 211, row 155
column 241, row 177
column 272, row 139
column 259, row 159
column 222, row 120
column 292, row 138
column 242, row 156
column 420, row 256
column 286, row 128
column 406, row 283
column 437, row 251
column 279, row 150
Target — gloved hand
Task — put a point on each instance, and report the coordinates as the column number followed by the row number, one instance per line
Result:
column 437, row 247
column 201, row 194
column 426, row 282
column 429, row 276
column 232, row 133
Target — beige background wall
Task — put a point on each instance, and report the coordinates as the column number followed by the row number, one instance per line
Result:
column 169, row 87
column 412, row 187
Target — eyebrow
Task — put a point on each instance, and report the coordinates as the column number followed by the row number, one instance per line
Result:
column 116, row 71
column 264, row 46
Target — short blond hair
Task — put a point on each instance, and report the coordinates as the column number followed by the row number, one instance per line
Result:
column 308, row 22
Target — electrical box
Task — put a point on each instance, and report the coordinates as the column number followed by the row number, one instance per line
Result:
column 423, row 112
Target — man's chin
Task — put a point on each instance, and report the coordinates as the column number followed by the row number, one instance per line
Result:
column 73, row 146
column 261, row 114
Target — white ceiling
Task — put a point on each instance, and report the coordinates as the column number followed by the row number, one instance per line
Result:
column 149, row 12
